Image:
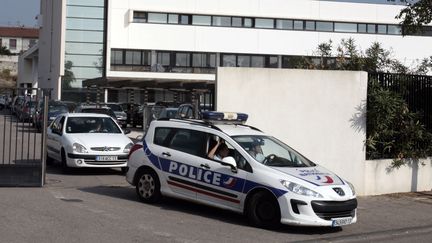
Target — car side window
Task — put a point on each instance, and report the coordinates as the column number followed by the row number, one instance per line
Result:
column 240, row 160
column 188, row 141
column 55, row 125
column 161, row 135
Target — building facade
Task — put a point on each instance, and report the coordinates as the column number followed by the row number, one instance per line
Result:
column 166, row 49
column 18, row 39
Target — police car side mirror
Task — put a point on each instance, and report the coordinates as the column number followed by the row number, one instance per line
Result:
column 230, row 161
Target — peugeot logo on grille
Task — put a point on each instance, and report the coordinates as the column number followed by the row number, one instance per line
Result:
column 339, row 191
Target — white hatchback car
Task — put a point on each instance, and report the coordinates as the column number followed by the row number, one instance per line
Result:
column 87, row 140
column 260, row 176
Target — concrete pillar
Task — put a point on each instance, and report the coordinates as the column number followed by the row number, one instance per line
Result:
column 105, row 95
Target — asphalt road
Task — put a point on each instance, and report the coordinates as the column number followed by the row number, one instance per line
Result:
column 92, row 205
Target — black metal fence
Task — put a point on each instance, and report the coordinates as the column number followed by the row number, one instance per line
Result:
column 415, row 89
column 21, row 146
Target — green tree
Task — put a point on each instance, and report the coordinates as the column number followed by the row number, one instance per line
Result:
column 68, row 77
column 348, row 56
column 4, row 51
column 324, row 51
column 376, row 59
column 415, row 15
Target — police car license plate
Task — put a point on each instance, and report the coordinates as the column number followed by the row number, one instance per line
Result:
column 341, row 221
column 106, row 158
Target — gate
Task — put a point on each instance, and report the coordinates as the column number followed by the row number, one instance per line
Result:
column 22, row 147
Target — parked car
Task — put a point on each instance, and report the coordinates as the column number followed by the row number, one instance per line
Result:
column 99, row 109
column 130, row 109
column 55, row 108
column 120, row 114
column 188, row 111
column 167, row 113
column 15, row 104
column 87, row 140
column 257, row 175
column 70, row 105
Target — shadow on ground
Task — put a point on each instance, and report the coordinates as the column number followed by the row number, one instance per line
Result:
column 171, row 204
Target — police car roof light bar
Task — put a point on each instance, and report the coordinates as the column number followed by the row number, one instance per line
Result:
column 224, row 117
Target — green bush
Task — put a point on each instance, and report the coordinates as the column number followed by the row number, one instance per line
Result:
column 393, row 130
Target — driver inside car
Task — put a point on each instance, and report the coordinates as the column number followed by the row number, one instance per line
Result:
column 256, row 152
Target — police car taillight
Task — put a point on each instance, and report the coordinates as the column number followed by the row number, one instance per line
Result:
column 134, row 148
column 232, row 117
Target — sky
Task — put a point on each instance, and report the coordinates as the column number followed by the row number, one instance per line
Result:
column 23, row 12
column 19, row 12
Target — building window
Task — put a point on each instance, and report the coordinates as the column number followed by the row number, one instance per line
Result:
column 382, row 29
column 257, row 61
column 116, row 57
column 310, row 25
column 243, row 61
column 264, row 23
column 173, row 18
column 345, row 27
column 248, row 22
column 228, row 60
column 236, row 22
column 362, row 28
column 146, row 58
column 185, row 19
column 201, row 20
column 182, row 60
column 133, row 58
column 12, row 44
column 298, row 24
column 158, row 18
column 203, row 60
column 272, row 62
column 371, row 28
column 394, row 30
column 324, row 26
column 284, row 24
column 222, row 21
column 163, row 58
column 139, row 17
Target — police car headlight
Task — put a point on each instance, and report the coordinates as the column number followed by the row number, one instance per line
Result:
column 78, row 148
column 301, row 190
column 352, row 188
column 126, row 150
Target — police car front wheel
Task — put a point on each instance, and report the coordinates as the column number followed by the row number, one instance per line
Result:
column 148, row 187
column 263, row 210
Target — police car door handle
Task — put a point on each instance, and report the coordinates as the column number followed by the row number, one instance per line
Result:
column 205, row 166
column 166, row 154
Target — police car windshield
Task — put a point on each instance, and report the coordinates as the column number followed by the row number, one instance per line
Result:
column 272, row 152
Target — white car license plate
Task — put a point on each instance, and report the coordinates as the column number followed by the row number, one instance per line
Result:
column 106, row 158
column 341, row 221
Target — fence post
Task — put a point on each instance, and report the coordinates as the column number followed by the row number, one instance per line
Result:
column 44, row 137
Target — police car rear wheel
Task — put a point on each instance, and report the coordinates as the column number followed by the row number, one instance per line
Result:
column 148, row 187
column 263, row 210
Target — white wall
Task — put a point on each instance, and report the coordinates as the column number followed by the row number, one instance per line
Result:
column 9, row 62
column 124, row 34
column 381, row 179
column 322, row 115
column 318, row 113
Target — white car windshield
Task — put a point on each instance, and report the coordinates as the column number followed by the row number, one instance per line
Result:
column 91, row 125
column 272, row 152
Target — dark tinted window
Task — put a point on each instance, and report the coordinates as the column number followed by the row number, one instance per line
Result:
column 161, row 134
column 189, row 141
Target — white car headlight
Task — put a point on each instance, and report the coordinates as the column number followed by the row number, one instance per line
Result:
column 126, row 150
column 301, row 190
column 352, row 188
column 78, row 148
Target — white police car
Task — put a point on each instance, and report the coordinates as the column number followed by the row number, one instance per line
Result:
column 261, row 176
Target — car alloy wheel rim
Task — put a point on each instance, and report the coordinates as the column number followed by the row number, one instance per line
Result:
column 146, row 186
